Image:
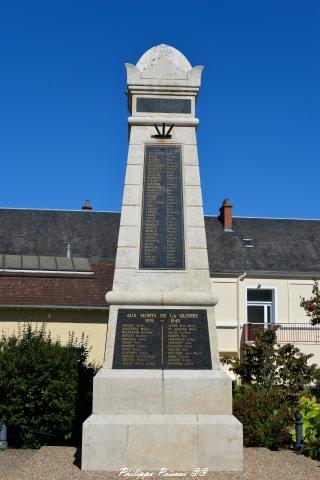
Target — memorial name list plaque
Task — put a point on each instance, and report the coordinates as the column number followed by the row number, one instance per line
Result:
column 162, row 228
column 162, row 339
column 164, row 105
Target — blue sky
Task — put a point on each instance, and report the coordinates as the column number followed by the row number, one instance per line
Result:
column 63, row 113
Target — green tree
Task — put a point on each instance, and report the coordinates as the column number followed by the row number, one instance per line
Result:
column 312, row 305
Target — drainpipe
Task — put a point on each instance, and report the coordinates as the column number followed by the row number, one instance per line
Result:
column 69, row 250
column 239, row 279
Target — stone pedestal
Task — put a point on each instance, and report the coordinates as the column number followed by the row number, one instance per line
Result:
column 151, row 442
column 161, row 400
column 151, row 419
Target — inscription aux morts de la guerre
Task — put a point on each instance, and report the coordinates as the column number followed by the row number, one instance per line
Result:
column 162, row 339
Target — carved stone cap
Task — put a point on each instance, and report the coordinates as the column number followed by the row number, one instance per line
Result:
column 163, row 65
column 207, row 299
column 155, row 55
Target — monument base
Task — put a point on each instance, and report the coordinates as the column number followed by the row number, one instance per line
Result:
column 152, row 442
column 153, row 419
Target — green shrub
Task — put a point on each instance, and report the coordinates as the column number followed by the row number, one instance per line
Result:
column 266, row 420
column 273, row 379
column 310, row 411
column 312, row 449
column 266, row 364
column 45, row 388
column 314, row 390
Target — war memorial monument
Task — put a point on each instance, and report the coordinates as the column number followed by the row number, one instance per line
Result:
column 161, row 399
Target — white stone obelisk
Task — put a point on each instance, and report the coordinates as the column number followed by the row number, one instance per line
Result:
column 158, row 415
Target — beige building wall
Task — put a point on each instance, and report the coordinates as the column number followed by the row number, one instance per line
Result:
column 61, row 323
column 231, row 310
column 296, row 290
column 231, row 314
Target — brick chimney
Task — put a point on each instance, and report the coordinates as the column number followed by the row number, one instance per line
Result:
column 225, row 216
column 86, row 205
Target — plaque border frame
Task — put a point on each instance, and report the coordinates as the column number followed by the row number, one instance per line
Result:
column 203, row 311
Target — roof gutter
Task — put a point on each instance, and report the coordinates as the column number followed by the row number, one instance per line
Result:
column 55, row 307
column 45, row 273
column 268, row 274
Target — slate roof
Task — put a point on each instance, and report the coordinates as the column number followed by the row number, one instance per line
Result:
column 47, row 232
column 277, row 245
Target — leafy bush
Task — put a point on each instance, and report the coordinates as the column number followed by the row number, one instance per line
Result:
column 310, row 411
column 273, row 379
column 266, row 421
column 314, row 390
column 45, row 388
column 265, row 364
column 312, row 449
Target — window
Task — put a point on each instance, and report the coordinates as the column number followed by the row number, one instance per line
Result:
column 260, row 306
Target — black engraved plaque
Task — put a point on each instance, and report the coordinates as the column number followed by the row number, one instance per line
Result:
column 162, row 228
column 162, row 339
column 164, row 105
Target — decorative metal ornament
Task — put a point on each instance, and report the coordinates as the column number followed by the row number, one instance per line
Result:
column 164, row 133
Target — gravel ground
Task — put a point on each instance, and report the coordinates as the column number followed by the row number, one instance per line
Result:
column 61, row 463
column 11, row 460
